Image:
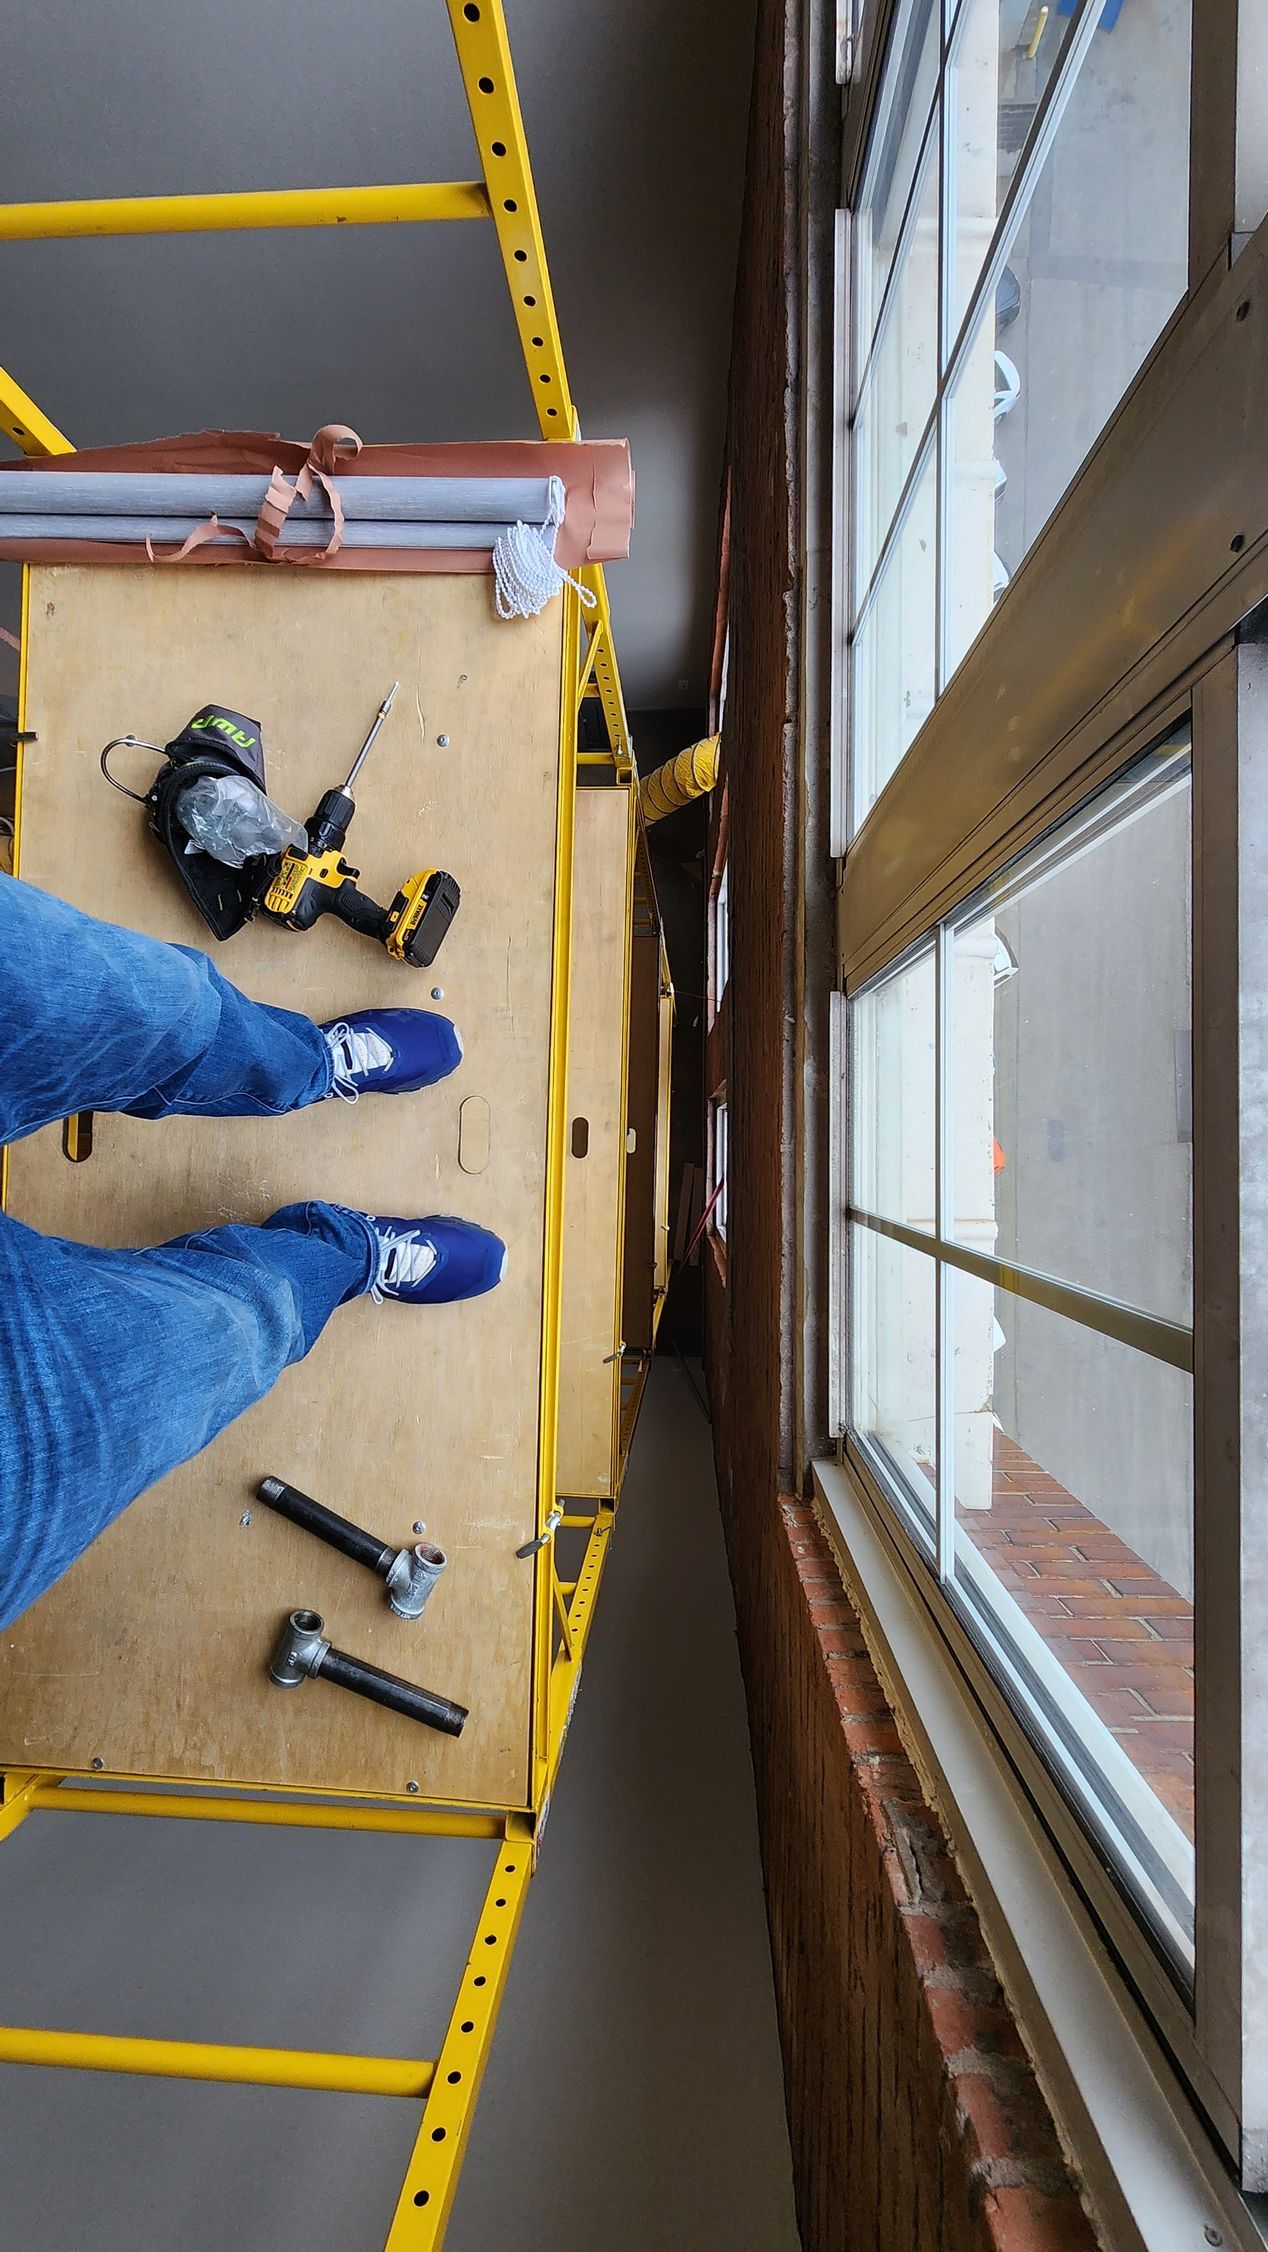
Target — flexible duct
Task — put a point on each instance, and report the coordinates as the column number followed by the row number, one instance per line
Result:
column 691, row 775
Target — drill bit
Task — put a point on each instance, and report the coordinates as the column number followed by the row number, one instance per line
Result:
column 377, row 722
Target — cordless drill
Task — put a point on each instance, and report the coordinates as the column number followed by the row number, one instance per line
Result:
column 318, row 881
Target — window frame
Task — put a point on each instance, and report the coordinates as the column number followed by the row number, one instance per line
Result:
column 1212, row 2037
column 1108, row 1793
column 952, row 351
column 1180, row 451
column 719, row 1165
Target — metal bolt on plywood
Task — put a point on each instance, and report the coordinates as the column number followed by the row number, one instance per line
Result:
column 563, row 1608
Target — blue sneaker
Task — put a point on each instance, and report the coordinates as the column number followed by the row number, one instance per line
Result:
column 432, row 1262
column 390, row 1051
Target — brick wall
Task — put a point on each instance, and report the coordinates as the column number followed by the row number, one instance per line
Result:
column 916, row 2122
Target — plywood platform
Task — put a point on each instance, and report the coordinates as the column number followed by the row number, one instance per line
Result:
column 589, row 1396
column 150, row 1656
column 646, row 1225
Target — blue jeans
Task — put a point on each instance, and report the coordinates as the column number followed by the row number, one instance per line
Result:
column 118, row 1365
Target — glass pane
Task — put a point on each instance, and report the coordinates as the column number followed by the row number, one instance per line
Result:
column 894, row 1388
column 1074, row 1550
column 910, row 82
column 892, row 1096
column 894, row 648
column 722, row 935
column 1096, row 270
column 1070, row 1058
column 1002, row 58
column 899, row 391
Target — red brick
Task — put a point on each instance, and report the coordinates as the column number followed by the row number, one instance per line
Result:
column 873, row 1734
column 1003, row 2121
column 927, row 1938
column 830, row 1611
column 1166, row 1735
column 963, row 2027
column 855, row 1697
column 1028, row 2220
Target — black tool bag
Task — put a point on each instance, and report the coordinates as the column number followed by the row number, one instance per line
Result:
column 214, row 742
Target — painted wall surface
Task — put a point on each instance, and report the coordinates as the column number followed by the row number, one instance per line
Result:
column 635, row 114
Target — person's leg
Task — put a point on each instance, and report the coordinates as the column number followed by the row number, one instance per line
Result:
column 120, row 1364
column 96, row 1017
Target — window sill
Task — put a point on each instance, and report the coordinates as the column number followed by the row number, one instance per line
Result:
column 1156, row 2178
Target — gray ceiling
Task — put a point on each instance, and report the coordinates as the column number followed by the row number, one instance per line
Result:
column 635, row 112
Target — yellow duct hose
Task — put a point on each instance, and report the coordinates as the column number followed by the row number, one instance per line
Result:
column 691, row 775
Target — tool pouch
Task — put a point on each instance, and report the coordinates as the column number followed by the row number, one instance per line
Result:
column 214, row 742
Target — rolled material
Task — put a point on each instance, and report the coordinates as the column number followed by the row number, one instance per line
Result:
column 302, row 532
column 115, row 496
column 595, row 476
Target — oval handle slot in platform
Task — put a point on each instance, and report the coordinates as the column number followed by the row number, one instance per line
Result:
column 580, row 1137
column 77, row 1136
column 475, row 1123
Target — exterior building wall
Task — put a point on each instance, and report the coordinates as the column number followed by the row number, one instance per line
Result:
column 917, row 2124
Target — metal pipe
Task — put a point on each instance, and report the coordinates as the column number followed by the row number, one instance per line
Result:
column 410, row 1573
column 245, row 209
column 195, row 495
column 413, row 1575
column 286, row 1814
column 364, row 1548
column 302, row 1650
column 381, row 1688
column 426, row 537
column 214, row 2060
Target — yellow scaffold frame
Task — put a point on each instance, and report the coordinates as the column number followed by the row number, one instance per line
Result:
column 449, row 2082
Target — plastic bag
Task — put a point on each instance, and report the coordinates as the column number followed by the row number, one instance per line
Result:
column 229, row 818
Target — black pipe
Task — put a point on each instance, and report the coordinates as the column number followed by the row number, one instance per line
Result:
column 363, row 1547
column 386, row 1689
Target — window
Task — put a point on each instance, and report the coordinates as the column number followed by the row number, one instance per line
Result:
column 721, row 935
column 718, row 1180
column 1021, row 241
column 1021, row 1249
column 1048, row 1251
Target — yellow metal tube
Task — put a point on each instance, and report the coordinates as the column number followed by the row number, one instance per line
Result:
column 607, row 679
column 488, row 78
column 427, row 2193
column 253, row 207
column 185, row 1807
column 19, row 1802
column 207, row 2060
column 556, row 1126
column 691, row 775
column 21, row 420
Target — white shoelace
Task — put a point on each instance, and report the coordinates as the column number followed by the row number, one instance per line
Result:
column 354, row 1055
column 403, row 1260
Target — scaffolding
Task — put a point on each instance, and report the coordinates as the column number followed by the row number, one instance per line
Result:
column 446, row 2085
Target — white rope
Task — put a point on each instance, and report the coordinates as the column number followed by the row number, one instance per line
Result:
column 525, row 573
